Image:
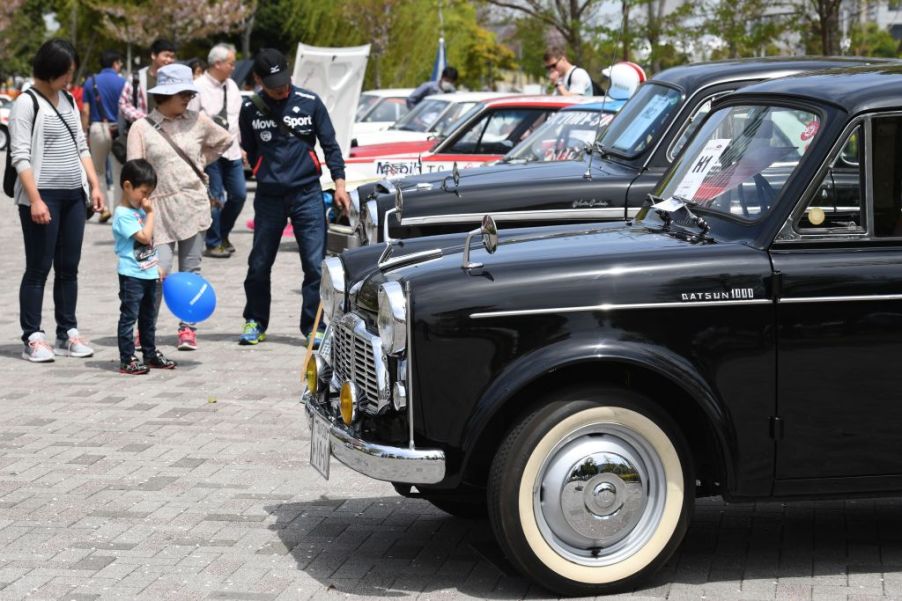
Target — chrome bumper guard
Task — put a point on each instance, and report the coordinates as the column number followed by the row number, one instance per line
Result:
column 340, row 238
column 392, row 464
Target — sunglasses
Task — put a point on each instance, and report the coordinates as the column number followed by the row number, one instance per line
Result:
column 552, row 65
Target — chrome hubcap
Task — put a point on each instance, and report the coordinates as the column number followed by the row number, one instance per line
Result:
column 600, row 493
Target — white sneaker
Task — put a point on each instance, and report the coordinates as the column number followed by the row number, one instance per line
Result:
column 73, row 347
column 37, row 349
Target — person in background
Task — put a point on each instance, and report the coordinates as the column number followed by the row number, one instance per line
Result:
column 134, row 101
column 445, row 84
column 100, row 118
column 279, row 131
column 178, row 142
column 197, row 66
column 220, row 98
column 138, row 273
column 566, row 78
column 55, row 179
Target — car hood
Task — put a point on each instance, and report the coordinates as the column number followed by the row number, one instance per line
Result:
column 537, row 186
column 563, row 268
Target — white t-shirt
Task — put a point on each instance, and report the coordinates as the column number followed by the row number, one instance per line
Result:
column 577, row 80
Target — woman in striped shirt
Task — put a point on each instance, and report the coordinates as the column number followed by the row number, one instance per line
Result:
column 55, row 179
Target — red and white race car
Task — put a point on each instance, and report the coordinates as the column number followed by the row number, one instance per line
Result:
column 486, row 133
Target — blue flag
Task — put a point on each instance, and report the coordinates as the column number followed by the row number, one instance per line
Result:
column 441, row 60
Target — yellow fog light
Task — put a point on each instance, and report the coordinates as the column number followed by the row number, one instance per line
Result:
column 348, row 404
column 311, row 375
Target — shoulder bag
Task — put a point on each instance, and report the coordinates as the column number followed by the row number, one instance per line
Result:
column 120, row 142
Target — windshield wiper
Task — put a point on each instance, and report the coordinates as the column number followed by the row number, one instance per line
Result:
column 675, row 210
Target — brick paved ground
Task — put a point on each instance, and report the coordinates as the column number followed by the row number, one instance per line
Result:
column 194, row 484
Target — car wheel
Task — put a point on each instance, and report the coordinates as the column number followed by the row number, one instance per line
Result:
column 467, row 509
column 591, row 492
column 4, row 137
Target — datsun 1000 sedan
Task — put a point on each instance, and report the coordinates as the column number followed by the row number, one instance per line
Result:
column 584, row 384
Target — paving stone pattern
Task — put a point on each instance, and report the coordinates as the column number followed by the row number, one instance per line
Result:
column 195, row 483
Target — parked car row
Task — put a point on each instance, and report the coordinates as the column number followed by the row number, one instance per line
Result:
column 730, row 331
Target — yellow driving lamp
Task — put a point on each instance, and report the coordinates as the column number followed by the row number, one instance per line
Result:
column 348, row 402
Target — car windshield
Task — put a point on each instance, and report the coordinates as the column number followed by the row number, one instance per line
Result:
column 565, row 136
column 367, row 101
column 454, row 116
column 389, row 109
column 741, row 158
column 641, row 120
column 423, row 116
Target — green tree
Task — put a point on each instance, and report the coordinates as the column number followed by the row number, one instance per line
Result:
column 747, row 28
column 869, row 39
column 24, row 34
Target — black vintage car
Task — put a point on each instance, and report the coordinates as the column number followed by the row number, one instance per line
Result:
column 607, row 184
column 584, row 384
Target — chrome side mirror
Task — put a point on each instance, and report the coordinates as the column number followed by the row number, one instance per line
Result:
column 489, row 232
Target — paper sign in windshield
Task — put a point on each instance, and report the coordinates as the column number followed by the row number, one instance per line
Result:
column 643, row 121
column 704, row 162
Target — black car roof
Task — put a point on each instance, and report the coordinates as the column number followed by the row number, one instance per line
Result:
column 692, row 77
column 855, row 90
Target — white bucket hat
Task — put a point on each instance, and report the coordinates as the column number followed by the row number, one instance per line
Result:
column 173, row 79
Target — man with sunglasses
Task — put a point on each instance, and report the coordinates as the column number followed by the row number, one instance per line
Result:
column 567, row 78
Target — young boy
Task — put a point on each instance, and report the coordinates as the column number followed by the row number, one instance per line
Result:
column 139, row 276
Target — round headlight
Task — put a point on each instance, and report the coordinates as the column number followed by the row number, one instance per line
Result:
column 311, row 377
column 354, row 209
column 370, row 220
column 392, row 318
column 332, row 289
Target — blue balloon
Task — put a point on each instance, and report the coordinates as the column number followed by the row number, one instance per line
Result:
column 190, row 297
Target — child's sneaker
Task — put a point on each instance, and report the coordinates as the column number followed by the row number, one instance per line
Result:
column 252, row 333
column 187, row 339
column 74, row 346
column 158, row 361
column 133, row 367
column 37, row 349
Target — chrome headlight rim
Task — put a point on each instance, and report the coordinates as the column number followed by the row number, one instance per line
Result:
column 332, row 289
column 392, row 318
column 354, row 209
column 370, row 220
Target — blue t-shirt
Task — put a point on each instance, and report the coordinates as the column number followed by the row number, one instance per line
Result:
column 135, row 259
column 109, row 87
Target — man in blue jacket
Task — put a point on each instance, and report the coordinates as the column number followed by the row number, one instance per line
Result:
column 279, row 130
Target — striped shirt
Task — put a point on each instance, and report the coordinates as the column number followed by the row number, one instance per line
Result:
column 62, row 165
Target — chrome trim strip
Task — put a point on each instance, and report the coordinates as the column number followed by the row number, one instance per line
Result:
column 417, row 257
column 616, row 307
column 409, row 374
column 839, row 299
column 567, row 214
column 392, row 464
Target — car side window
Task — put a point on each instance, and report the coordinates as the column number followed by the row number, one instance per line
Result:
column 838, row 205
column 498, row 131
column 886, row 141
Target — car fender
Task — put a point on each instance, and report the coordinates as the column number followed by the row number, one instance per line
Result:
column 532, row 367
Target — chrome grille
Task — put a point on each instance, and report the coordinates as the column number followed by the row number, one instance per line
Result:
column 357, row 358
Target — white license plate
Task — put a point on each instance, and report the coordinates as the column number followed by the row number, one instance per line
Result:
column 320, row 449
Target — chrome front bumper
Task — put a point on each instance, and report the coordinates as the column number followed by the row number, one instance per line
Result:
column 392, row 464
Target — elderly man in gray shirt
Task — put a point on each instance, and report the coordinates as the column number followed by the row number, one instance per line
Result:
column 220, row 99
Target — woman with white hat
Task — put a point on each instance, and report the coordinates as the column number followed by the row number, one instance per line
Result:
column 179, row 143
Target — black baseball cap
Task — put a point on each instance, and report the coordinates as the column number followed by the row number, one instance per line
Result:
column 272, row 67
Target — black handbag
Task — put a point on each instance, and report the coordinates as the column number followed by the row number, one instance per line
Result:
column 120, row 142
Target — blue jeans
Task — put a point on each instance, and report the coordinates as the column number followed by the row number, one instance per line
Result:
column 305, row 209
column 226, row 178
column 56, row 244
column 138, row 298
